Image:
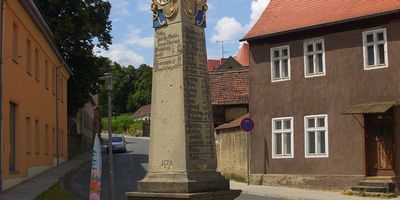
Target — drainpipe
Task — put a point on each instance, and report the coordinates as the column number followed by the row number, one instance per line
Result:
column 3, row 16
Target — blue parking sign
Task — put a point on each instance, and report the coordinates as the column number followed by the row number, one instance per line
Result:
column 247, row 124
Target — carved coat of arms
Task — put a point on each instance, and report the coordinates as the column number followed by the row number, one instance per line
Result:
column 167, row 9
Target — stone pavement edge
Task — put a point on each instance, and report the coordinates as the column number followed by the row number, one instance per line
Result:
column 294, row 193
column 33, row 187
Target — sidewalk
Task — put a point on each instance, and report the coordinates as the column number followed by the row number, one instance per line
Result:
column 33, row 187
column 294, row 193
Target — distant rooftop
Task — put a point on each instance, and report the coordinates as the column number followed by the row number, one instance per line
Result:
column 230, row 86
column 243, row 56
column 144, row 111
column 233, row 124
column 290, row 15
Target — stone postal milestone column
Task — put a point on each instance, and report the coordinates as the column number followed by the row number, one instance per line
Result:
column 182, row 160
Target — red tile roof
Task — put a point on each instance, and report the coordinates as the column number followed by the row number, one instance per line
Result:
column 233, row 124
column 286, row 15
column 230, row 87
column 213, row 64
column 243, row 56
column 143, row 111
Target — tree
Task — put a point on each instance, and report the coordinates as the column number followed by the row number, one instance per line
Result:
column 131, row 87
column 79, row 26
column 142, row 93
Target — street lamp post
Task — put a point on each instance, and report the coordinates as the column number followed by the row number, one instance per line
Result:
column 108, row 77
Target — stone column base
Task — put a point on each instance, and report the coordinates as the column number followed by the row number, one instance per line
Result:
column 218, row 195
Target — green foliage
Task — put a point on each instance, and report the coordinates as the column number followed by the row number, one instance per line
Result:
column 79, row 26
column 142, row 93
column 236, row 178
column 124, row 124
column 131, row 88
column 56, row 192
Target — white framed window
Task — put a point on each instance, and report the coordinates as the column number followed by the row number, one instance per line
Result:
column 316, row 136
column 375, row 49
column 46, row 74
column 314, row 58
column 37, row 65
column 37, row 137
column 280, row 63
column 15, row 42
column 282, row 137
column 28, row 57
column 28, row 135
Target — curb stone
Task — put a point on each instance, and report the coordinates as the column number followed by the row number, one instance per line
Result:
column 71, row 171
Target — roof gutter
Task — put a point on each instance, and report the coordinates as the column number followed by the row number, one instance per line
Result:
column 38, row 19
column 249, row 39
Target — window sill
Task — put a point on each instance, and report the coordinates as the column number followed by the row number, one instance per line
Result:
column 317, row 156
column 14, row 172
column 283, row 157
column 315, row 75
column 279, row 80
column 367, row 68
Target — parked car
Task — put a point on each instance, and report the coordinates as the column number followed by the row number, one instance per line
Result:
column 118, row 143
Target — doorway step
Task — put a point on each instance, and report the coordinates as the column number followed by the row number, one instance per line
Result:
column 377, row 184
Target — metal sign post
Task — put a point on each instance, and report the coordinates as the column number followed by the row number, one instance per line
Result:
column 108, row 84
column 247, row 124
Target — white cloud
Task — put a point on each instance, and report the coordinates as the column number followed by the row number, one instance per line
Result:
column 144, row 6
column 211, row 7
column 227, row 28
column 147, row 42
column 134, row 38
column 121, row 54
column 121, row 7
column 257, row 8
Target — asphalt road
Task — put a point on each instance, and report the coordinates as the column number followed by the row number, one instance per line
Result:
column 129, row 168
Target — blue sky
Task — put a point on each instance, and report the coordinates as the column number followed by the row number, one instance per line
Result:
column 227, row 20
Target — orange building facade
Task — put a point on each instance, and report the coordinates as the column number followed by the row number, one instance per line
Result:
column 33, row 95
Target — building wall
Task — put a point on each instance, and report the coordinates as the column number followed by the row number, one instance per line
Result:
column 33, row 100
column 345, row 83
column 231, row 146
column 85, row 118
column 96, row 115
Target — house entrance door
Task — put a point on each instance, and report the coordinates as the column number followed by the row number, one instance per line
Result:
column 379, row 145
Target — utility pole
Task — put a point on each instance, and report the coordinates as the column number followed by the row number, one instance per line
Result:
column 222, row 47
column 108, row 77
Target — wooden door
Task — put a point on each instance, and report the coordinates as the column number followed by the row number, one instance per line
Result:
column 379, row 147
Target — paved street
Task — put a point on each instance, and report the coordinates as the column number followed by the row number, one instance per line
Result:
column 129, row 168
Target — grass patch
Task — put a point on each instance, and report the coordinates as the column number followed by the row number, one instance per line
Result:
column 125, row 116
column 56, row 192
column 236, row 178
column 124, row 124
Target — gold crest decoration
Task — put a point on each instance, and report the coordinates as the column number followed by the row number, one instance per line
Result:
column 162, row 10
column 196, row 9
